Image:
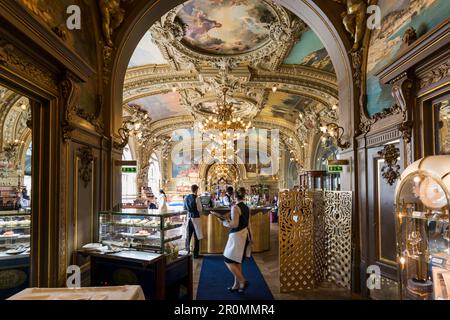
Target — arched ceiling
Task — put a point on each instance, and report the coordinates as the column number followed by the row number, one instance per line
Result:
column 15, row 136
column 274, row 67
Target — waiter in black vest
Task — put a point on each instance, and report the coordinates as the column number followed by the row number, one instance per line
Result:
column 193, row 206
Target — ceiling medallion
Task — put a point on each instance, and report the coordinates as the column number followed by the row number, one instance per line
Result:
column 196, row 33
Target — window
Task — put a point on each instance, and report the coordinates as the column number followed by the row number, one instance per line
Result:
column 154, row 174
column 129, row 179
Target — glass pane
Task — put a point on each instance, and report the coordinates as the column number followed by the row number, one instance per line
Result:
column 15, row 194
column 443, row 132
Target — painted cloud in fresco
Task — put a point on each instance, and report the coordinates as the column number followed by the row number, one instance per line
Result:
column 226, row 26
column 285, row 105
column 309, row 51
column 146, row 53
column 162, row 106
column 397, row 16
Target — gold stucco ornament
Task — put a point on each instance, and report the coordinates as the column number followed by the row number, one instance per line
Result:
column 112, row 18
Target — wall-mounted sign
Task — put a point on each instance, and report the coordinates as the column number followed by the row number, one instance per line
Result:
column 129, row 169
column 338, row 162
column 335, row 169
column 126, row 163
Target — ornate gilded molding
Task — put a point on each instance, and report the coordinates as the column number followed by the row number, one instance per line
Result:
column 390, row 170
column 112, row 17
column 309, row 82
column 402, row 91
column 435, row 75
column 70, row 92
column 12, row 58
column 85, row 170
column 354, row 21
column 168, row 34
column 124, row 135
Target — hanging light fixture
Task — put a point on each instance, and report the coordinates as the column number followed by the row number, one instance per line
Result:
column 335, row 132
column 229, row 127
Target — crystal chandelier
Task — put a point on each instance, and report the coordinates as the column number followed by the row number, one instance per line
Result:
column 223, row 120
column 221, row 170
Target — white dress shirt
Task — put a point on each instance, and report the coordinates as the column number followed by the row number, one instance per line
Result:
column 234, row 219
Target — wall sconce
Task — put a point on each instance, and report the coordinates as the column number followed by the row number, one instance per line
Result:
column 335, row 131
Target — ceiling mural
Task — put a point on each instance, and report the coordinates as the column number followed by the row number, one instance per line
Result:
column 397, row 16
column 226, row 26
column 285, row 105
column 309, row 51
column 147, row 52
column 162, row 106
column 252, row 54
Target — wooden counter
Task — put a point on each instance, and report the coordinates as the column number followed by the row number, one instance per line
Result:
column 216, row 235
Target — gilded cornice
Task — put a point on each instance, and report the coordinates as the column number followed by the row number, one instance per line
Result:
column 18, row 62
column 310, row 82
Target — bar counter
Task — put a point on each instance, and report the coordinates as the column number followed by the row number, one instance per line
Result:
column 215, row 235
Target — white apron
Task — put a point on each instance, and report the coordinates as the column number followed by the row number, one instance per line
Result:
column 197, row 227
column 162, row 205
column 234, row 250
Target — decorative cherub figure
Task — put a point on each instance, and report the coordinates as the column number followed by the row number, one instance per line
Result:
column 354, row 20
column 112, row 18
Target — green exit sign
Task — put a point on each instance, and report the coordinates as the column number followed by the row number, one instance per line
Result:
column 129, row 169
column 335, row 169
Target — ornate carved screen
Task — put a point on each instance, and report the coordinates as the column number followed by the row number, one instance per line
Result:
column 296, row 241
column 338, row 234
column 315, row 239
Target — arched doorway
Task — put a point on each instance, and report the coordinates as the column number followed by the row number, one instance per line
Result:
column 292, row 140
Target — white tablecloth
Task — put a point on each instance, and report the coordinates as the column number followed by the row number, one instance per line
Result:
column 91, row 293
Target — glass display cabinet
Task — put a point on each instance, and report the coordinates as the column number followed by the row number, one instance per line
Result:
column 15, row 232
column 144, row 229
column 422, row 209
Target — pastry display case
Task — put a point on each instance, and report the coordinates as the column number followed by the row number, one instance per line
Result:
column 144, row 229
column 14, row 232
column 422, row 215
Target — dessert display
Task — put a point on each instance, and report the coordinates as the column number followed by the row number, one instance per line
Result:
column 143, row 230
column 14, row 233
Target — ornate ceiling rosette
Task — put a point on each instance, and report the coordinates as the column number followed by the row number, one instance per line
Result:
column 260, row 36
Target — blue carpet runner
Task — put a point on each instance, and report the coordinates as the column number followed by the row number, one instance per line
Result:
column 215, row 278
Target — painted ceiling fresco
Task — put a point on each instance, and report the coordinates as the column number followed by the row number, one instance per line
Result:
column 226, row 26
column 146, row 53
column 309, row 51
column 162, row 106
column 397, row 16
column 285, row 105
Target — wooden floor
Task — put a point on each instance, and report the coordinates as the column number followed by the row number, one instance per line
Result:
column 268, row 264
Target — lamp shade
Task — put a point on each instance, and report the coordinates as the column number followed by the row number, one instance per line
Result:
column 434, row 179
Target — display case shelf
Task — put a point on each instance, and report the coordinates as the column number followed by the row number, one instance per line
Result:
column 422, row 215
column 13, row 235
column 143, row 229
